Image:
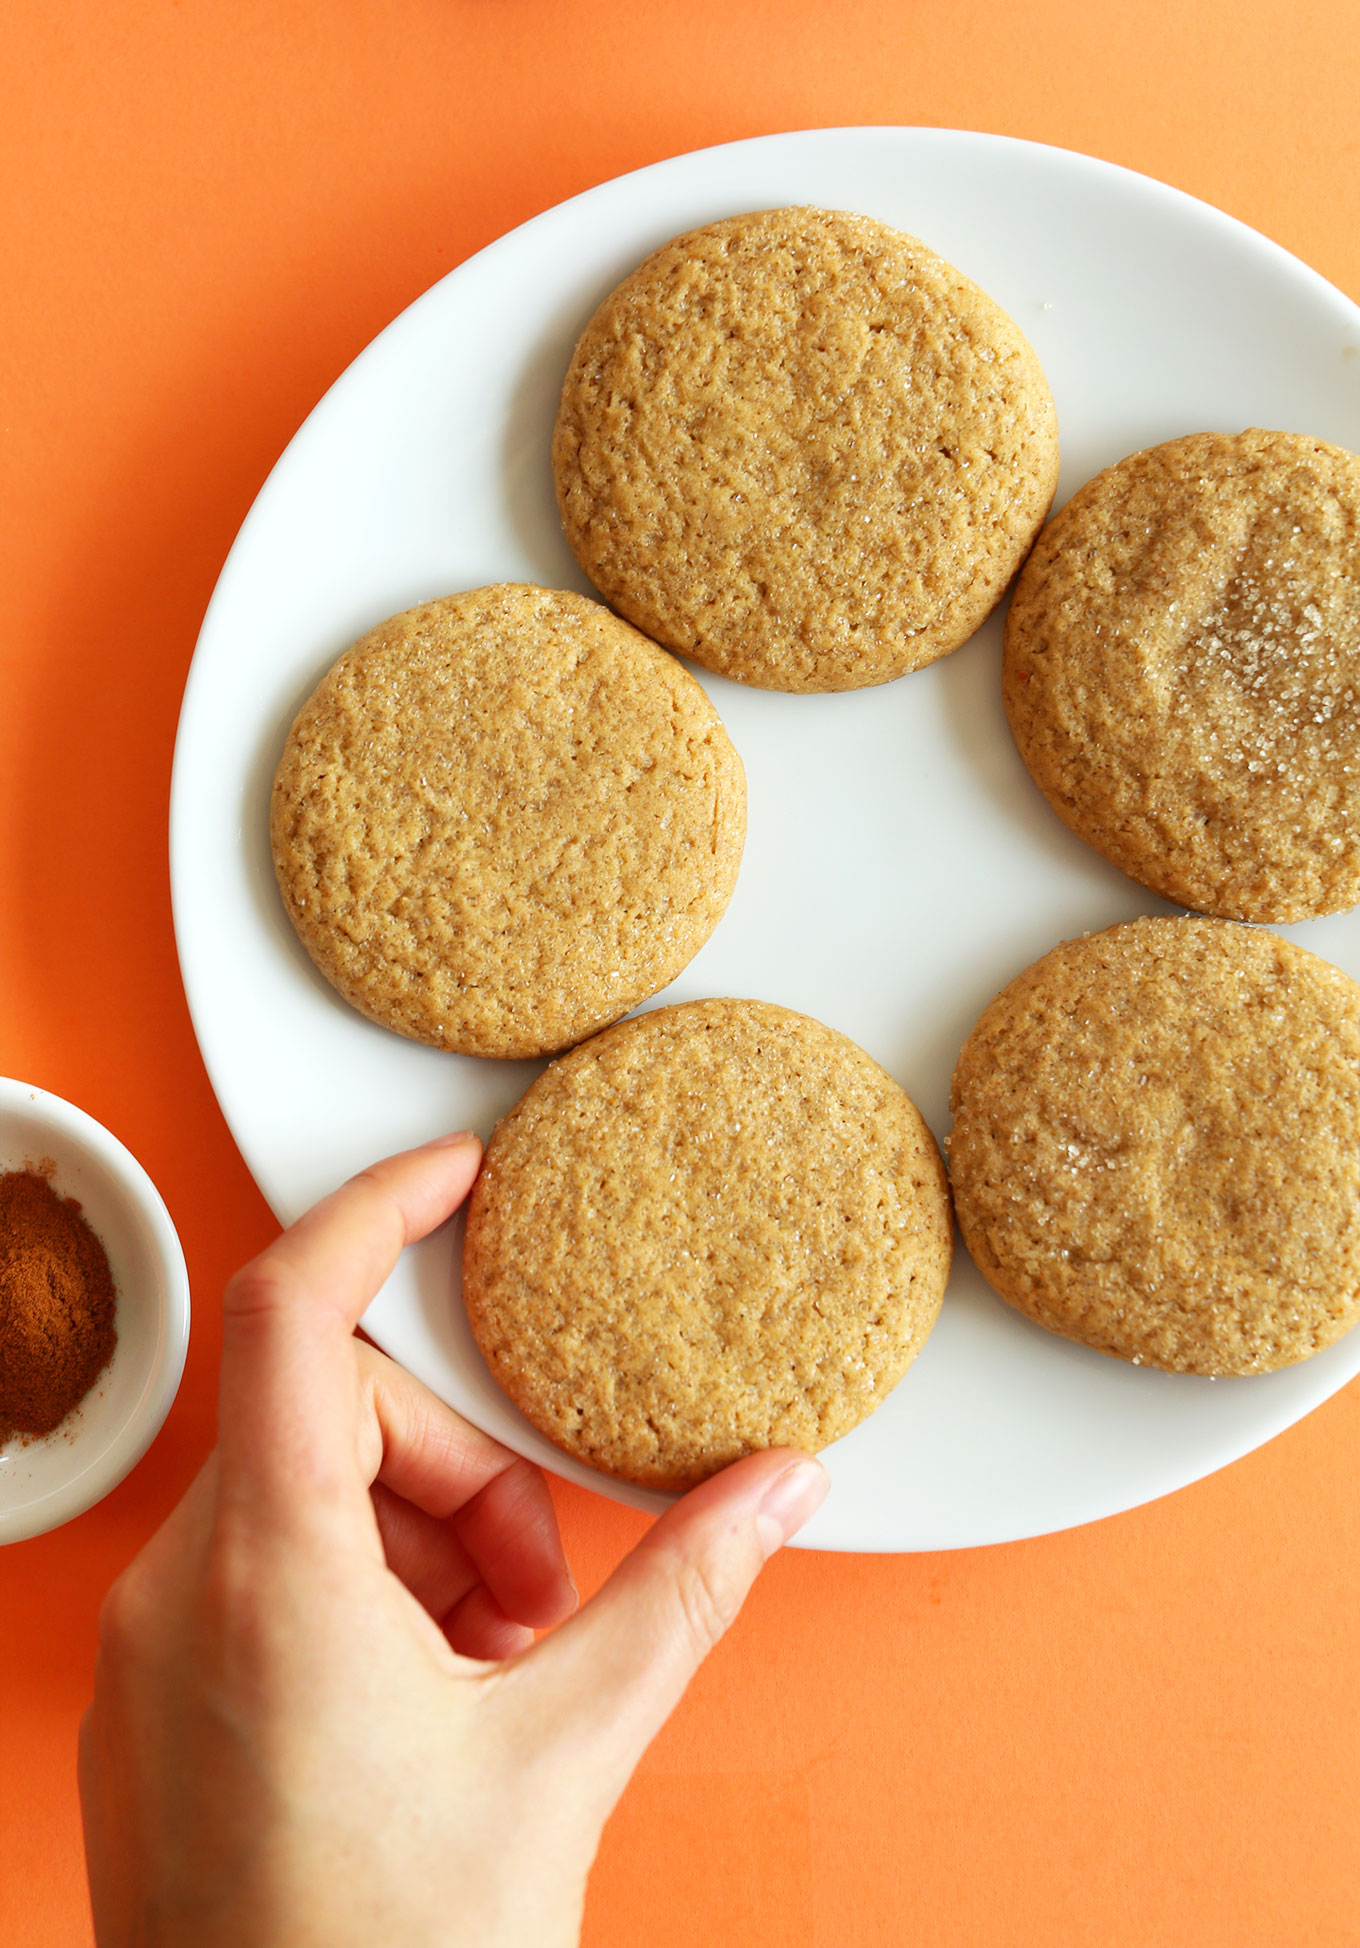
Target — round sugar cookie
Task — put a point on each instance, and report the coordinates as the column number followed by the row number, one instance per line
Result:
column 1156, row 1146
column 503, row 819
column 1182, row 671
column 716, row 1227
column 802, row 449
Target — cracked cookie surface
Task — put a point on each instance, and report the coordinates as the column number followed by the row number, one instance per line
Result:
column 804, row 450
column 505, row 818
column 1182, row 671
column 716, row 1227
column 1156, row 1146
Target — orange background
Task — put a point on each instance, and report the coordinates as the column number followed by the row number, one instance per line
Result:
column 1137, row 1734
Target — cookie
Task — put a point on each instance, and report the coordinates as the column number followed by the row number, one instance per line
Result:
column 717, row 1227
column 802, row 449
column 1182, row 672
column 505, row 818
column 1156, row 1146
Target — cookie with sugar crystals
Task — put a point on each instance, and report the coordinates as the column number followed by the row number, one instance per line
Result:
column 1156, row 1146
column 503, row 819
column 714, row 1228
column 802, row 449
column 1182, row 671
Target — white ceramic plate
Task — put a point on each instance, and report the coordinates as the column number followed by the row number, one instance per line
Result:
column 900, row 867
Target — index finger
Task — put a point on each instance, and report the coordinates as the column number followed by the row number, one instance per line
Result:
column 288, row 1397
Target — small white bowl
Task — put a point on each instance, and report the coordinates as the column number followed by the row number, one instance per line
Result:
column 44, row 1482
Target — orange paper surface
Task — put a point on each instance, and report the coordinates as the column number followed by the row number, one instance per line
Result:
column 1130, row 1736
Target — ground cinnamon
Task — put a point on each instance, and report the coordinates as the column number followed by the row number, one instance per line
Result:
column 56, row 1305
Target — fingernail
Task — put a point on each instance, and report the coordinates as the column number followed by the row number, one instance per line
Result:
column 451, row 1141
column 797, row 1494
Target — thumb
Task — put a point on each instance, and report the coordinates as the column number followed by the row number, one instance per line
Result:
column 613, row 1674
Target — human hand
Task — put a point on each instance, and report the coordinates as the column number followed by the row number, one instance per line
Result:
column 320, row 1716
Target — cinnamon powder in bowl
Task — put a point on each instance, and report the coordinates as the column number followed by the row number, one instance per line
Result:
column 56, row 1304
column 94, row 1311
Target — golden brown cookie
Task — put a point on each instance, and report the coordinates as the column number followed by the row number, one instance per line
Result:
column 1182, row 671
column 716, row 1227
column 1156, row 1146
column 505, row 818
column 804, row 450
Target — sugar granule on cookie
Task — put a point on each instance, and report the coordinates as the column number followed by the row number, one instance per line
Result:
column 1156, row 1146
column 714, row 1228
column 1182, row 671
column 802, row 449
column 505, row 818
